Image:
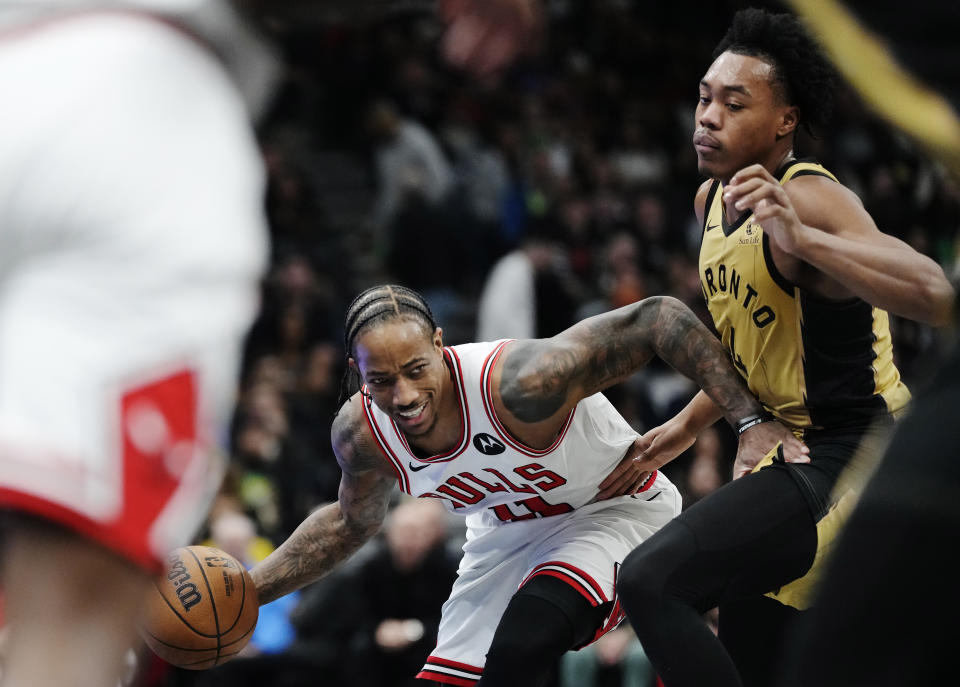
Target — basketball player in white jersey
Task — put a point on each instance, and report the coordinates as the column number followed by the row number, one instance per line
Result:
column 515, row 436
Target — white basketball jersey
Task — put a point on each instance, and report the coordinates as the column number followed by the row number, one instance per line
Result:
column 491, row 476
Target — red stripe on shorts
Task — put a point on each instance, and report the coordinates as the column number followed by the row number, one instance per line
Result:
column 160, row 445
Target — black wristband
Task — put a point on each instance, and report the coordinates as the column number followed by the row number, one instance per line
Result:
column 745, row 423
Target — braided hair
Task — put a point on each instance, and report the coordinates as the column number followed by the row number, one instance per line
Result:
column 802, row 75
column 375, row 306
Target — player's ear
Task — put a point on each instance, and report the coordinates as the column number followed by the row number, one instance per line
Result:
column 352, row 364
column 789, row 120
column 438, row 338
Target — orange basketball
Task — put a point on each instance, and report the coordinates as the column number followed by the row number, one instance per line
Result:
column 202, row 610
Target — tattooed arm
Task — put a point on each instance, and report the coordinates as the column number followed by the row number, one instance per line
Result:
column 543, row 379
column 333, row 533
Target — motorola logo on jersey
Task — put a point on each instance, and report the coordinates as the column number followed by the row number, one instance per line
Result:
column 488, row 445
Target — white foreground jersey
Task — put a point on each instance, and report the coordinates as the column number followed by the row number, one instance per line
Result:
column 132, row 240
column 529, row 511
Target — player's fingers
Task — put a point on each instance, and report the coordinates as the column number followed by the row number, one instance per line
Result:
column 637, row 448
column 620, row 473
column 634, row 451
column 734, row 192
column 756, row 171
column 795, row 451
column 641, row 478
column 616, row 474
column 766, row 193
column 617, row 487
column 740, row 469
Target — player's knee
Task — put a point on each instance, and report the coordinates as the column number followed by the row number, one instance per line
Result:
column 639, row 581
column 519, row 643
column 517, row 659
column 645, row 573
column 506, row 651
column 531, row 636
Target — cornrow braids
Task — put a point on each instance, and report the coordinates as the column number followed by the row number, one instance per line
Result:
column 373, row 306
column 801, row 71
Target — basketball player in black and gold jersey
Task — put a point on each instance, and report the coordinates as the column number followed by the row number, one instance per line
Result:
column 798, row 280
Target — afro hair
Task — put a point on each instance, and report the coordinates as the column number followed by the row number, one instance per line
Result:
column 801, row 71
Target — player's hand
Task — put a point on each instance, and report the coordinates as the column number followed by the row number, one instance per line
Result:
column 484, row 36
column 760, row 440
column 629, row 474
column 647, row 453
column 754, row 188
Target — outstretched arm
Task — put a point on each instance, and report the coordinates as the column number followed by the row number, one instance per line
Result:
column 544, row 378
column 333, row 533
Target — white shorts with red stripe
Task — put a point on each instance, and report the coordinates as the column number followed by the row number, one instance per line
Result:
column 583, row 548
column 131, row 245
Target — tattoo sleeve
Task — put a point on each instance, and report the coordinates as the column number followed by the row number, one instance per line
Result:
column 541, row 377
column 333, row 533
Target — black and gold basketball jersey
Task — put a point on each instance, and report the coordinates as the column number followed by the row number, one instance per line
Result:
column 813, row 362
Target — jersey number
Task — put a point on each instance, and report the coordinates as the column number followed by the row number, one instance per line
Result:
column 737, row 360
column 534, row 507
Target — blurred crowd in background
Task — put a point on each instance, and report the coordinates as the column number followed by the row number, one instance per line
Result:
column 517, row 205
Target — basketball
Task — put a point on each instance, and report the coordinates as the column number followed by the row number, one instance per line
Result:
column 202, row 610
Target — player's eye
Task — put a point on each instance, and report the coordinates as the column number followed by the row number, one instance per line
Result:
column 734, row 107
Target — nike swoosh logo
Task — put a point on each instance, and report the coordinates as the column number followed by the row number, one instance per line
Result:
column 417, row 468
column 712, row 226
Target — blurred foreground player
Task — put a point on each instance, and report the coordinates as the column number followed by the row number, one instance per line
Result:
column 866, row 629
column 131, row 244
column 515, row 436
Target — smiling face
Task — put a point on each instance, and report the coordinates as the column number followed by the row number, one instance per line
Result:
column 402, row 365
column 742, row 118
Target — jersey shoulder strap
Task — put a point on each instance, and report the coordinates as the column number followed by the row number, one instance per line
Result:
column 804, row 167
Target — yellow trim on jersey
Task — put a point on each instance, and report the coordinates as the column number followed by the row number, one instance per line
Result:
column 801, row 592
column 887, row 377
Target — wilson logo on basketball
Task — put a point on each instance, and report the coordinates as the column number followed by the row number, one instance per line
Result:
column 488, row 445
column 186, row 591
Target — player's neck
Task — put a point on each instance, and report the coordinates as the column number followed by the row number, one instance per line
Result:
column 783, row 159
column 777, row 158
